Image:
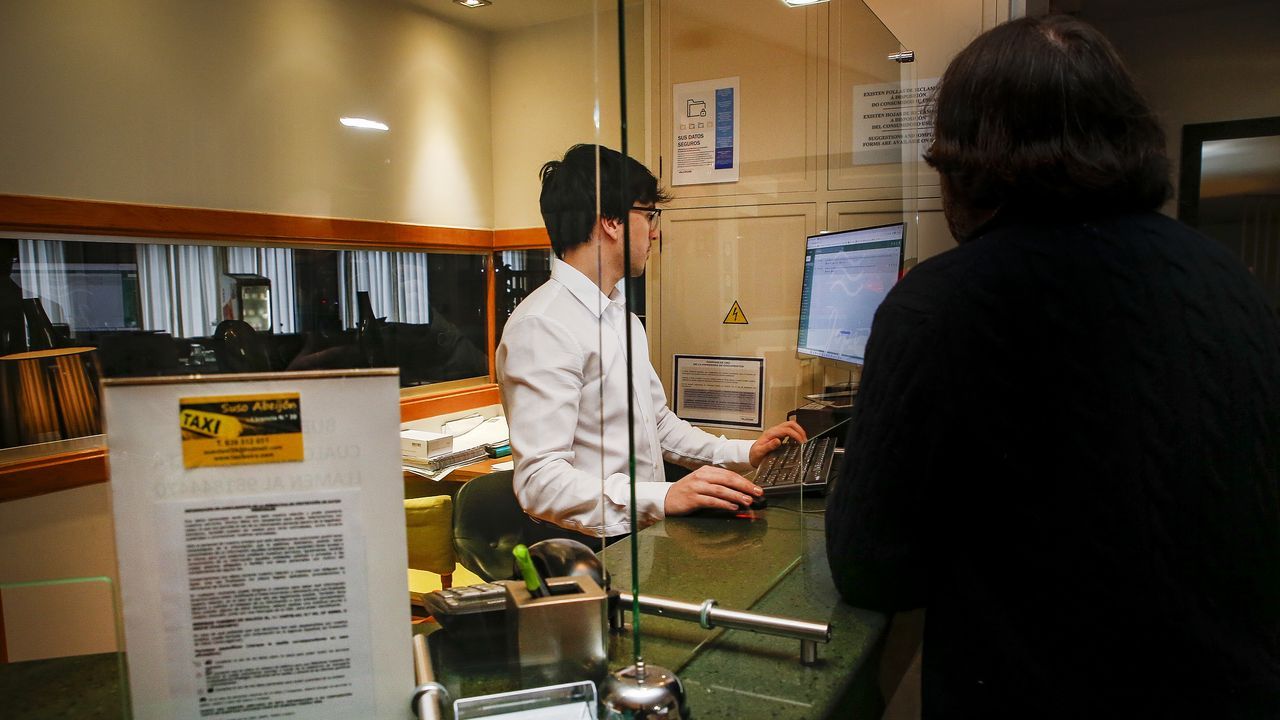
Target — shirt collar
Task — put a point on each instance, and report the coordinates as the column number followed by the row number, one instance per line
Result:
column 586, row 291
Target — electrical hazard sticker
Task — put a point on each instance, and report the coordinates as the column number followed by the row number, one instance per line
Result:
column 240, row 429
column 735, row 316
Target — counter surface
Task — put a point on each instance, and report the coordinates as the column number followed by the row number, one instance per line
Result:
column 775, row 564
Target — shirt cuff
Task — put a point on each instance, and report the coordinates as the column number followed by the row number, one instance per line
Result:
column 736, row 455
column 651, row 500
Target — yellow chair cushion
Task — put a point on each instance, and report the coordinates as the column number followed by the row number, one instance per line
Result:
column 429, row 527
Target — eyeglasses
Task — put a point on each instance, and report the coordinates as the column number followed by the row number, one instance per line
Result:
column 652, row 214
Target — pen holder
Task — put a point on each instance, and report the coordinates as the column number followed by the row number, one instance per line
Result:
column 562, row 637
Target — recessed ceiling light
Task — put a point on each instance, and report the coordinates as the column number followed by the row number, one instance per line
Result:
column 364, row 123
column 790, row 3
column 473, row 3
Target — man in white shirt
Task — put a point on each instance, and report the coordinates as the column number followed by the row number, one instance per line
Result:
column 563, row 370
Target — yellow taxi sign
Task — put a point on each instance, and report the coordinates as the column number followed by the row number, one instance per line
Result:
column 240, row 429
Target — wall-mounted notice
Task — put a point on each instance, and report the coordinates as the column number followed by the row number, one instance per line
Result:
column 891, row 123
column 253, row 588
column 720, row 391
column 706, row 132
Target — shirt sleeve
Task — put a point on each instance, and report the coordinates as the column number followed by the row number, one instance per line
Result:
column 688, row 446
column 876, row 514
column 540, row 367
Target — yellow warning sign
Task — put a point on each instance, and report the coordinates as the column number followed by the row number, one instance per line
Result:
column 735, row 316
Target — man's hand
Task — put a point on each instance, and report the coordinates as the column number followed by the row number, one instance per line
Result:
column 770, row 440
column 710, row 487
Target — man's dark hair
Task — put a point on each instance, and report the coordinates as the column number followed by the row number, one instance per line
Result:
column 568, row 199
column 1041, row 114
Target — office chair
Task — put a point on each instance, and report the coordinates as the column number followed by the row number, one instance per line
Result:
column 429, row 531
column 488, row 522
column 239, row 348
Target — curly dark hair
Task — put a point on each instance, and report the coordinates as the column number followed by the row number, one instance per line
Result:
column 568, row 199
column 1041, row 114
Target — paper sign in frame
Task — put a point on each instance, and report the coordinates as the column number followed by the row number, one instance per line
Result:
column 350, row 455
column 750, row 369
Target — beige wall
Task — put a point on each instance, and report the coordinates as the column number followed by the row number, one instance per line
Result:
column 62, row 535
column 236, row 105
column 546, row 82
column 797, row 70
column 1208, row 65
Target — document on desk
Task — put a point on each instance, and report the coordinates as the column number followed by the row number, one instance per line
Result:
column 490, row 430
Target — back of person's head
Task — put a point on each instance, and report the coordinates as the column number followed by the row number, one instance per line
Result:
column 568, row 199
column 1041, row 114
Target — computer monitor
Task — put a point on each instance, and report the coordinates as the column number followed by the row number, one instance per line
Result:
column 846, row 276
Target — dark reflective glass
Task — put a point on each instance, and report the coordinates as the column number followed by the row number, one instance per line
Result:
column 139, row 309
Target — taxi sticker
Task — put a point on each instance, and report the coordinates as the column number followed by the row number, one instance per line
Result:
column 240, row 429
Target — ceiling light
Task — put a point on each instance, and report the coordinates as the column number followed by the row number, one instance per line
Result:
column 473, row 3
column 790, row 3
column 363, row 123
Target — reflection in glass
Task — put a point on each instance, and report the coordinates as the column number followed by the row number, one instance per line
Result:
column 519, row 273
column 1240, row 202
column 139, row 309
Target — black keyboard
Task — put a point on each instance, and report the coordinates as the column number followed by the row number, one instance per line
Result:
column 794, row 467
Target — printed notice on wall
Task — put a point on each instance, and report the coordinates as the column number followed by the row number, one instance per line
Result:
column 891, row 123
column 240, row 429
column 706, row 132
column 270, row 599
column 720, row 391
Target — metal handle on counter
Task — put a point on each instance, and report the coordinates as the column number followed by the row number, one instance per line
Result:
column 709, row 616
column 428, row 694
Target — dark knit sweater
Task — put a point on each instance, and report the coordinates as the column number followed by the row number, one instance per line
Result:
column 1066, row 446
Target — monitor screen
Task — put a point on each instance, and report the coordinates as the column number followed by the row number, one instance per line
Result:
column 846, row 276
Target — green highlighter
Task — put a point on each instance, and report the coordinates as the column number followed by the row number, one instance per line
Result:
column 532, row 580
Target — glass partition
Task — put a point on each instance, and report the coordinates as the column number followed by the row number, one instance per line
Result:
column 68, row 660
column 824, row 124
column 765, row 124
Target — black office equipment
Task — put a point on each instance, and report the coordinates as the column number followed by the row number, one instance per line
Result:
column 846, row 276
column 468, row 606
column 797, row 467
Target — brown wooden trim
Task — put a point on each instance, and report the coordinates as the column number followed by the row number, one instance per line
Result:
column 52, row 473
column 534, row 238
column 94, row 217
column 4, row 642
column 416, row 408
column 491, row 304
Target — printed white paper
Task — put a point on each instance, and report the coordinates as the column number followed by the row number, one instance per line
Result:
column 272, row 598
column 706, row 132
column 720, row 391
column 255, row 591
column 891, row 123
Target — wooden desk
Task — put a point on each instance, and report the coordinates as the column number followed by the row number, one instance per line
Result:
column 418, row 486
column 476, row 469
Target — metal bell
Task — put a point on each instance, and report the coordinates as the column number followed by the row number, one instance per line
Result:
column 644, row 692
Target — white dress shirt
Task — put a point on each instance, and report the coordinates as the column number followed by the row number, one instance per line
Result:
column 562, row 369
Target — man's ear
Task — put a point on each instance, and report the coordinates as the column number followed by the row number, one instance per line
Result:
column 612, row 228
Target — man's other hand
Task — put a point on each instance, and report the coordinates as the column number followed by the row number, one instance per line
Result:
column 710, row 487
column 770, row 440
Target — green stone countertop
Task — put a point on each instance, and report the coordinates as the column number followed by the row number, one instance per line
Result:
column 774, row 564
column 91, row 687
column 739, row 674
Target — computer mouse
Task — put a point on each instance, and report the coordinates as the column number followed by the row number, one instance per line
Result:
column 746, row 511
